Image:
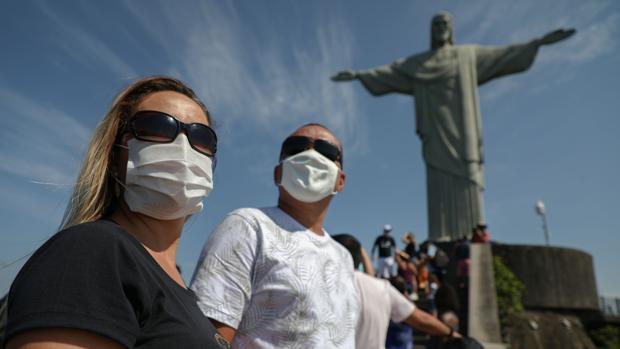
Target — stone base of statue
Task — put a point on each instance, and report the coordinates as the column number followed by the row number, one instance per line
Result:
column 560, row 298
column 541, row 330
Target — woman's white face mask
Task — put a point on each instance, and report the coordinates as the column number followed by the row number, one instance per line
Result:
column 309, row 176
column 166, row 180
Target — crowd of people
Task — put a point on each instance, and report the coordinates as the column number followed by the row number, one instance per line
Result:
column 419, row 273
column 266, row 277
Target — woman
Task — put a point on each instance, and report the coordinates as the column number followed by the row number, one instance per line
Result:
column 411, row 247
column 109, row 278
column 408, row 271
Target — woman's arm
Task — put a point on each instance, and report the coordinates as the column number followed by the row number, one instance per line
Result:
column 224, row 330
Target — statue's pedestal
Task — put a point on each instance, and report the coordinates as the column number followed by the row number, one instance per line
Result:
column 559, row 284
column 547, row 330
column 560, row 296
column 555, row 278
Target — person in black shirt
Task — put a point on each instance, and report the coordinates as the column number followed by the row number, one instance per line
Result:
column 387, row 247
column 411, row 246
column 109, row 278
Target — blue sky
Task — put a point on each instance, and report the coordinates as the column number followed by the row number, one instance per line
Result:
column 263, row 69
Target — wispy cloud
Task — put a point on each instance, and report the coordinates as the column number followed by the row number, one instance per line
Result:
column 589, row 43
column 39, row 142
column 495, row 22
column 274, row 84
column 492, row 22
column 85, row 48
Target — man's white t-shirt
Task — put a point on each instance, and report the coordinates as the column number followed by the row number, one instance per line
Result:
column 278, row 283
column 380, row 302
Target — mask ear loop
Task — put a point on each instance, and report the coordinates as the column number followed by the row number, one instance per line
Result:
column 213, row 164
column 334, row 192
column 114, row 174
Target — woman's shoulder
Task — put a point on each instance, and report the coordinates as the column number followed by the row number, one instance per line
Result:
column 77, row 280
column 96, row 233
column 92, row 241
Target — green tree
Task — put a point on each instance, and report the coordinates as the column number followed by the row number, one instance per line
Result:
column 509, row 291
column 607, row 337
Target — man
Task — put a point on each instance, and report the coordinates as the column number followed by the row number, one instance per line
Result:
column 273, row 277
column 387, row 247
column 445, row 83
column 380, row 302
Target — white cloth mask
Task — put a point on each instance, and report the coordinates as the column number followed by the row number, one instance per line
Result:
column 309, row 176
column 166, row 180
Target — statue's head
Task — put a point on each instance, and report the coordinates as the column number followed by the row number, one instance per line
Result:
column 442, row 32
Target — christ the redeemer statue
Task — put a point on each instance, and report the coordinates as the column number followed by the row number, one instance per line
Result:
column 444, row 82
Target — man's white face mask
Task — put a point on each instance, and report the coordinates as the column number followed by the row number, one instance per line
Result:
column 309, row 176
column 166, row 180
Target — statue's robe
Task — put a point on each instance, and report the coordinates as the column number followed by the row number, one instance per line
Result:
column 444, row 83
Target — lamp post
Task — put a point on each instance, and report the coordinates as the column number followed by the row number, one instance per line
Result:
column 540, row 210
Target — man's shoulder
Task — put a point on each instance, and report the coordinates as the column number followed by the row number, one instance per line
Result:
column 253, row 223
column 342, row 251
column 257, row 213
column 245, row 212
column 252, row 216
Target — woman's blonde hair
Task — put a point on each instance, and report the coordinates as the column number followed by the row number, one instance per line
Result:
column 94, row 194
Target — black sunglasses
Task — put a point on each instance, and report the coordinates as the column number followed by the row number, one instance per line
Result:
column 296, row 144
column 158, row 127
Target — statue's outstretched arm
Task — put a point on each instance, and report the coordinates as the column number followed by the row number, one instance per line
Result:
column 555, row 36
column 345, row 75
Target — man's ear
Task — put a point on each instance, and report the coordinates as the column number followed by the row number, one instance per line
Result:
column 277, row 174
column 340, row 181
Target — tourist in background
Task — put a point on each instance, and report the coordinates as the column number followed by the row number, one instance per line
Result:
column 480, row 234
column 411, row 246
column 408, row 271
column 386, row 247
column 461, row 254
column 381, row 303
column 399, row 334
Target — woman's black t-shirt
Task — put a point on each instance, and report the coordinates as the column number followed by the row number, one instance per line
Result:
column 97, row 277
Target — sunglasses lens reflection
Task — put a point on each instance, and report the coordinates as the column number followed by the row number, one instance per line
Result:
column 295, row 145
column 328, row 150
column 155, row 127
column 202, row 139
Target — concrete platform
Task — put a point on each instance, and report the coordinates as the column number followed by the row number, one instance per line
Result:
column 483, row 321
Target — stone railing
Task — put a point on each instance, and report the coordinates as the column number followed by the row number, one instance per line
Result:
column 610, row 306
